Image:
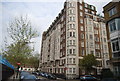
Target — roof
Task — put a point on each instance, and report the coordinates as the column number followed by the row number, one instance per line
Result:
column 5, row 62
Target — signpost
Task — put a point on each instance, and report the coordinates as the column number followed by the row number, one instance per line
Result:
column 18, row 66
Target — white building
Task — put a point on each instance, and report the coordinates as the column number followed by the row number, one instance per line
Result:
column 76, row 32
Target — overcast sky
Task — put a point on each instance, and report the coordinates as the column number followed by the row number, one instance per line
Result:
column 41, row 13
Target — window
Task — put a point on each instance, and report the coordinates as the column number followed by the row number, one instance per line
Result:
column 71, row 18
column 104, row 33
column 73, row 60
column 91, row 52
column 91, row 37
column 86, row 10
column 92, row 7
column 67, row 52
column 116, row 55
column 112, row 12
column 81, row 21
column 67, row 35
column 70, row 42
column 82, row 52
column 70, row 34
column 105, row 40
column 97, row 46
column 60, row 62
column 81, row 14
column 90, row 28
column 82, row 44
column 115, row 45
column 82, row 36
column 99, row 63
column 60, row 70
column 70, row 51
column 97, row 25
column 112, row 26
column 90, row 21
column 93, row 12
column 73, row 34
column 70, row 26
column 81, row 28
column 105, row 47
column 73, row 51
column 94, row 18
column 73, row 42
column 73, row 26
column 67, row 27
column 86, row 5
column 118, row 23
column 91, row 44
column 71, row 4
column 70, row 60
column 96, row 39
column 97, row 54
column 71, row 11
column 96, row 31
column 81, row 7
column 73, row 70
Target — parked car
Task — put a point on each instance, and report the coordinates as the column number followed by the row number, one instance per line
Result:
column 35, row 73
column 88, row 78
column 109, row 79
column 46, row 75
column 42, row 74
column 26, row 76
column 51, row 76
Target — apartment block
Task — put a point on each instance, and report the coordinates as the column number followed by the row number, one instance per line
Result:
column 112, row 19
column 76, row 32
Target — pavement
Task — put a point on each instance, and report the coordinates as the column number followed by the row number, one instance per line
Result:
column 14, row 77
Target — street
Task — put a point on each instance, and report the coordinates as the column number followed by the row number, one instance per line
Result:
column 40, row 78
column 58, row 79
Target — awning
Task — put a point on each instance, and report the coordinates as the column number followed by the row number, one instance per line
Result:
column 5, row 62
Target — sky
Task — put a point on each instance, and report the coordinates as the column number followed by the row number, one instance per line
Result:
column 41, row 13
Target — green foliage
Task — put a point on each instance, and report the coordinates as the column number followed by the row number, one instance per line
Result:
column 88, row 62
column 34, row 61
column 21, row 32
column 17, row 53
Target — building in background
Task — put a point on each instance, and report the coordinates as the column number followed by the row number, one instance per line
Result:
column 76, row 32
column 112, row 18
